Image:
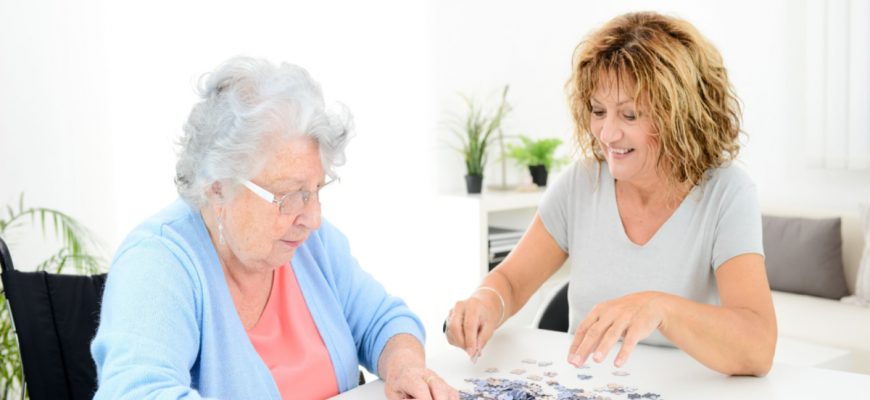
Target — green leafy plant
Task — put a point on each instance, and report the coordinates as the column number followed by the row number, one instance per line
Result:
column 76, row 250
column 475, row 132
column 533, row 152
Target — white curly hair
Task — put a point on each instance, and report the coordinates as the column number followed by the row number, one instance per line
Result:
column 243, row 104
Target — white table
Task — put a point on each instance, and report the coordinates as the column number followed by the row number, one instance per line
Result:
column 666, row 371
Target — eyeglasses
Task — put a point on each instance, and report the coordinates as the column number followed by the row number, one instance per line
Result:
column 290, row 203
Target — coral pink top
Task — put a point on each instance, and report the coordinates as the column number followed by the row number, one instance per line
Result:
column 289, row 343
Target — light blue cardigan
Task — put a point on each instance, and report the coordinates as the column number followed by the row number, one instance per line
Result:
column 169, row 329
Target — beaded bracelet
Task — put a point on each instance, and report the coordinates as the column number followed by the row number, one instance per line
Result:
column 500, row 301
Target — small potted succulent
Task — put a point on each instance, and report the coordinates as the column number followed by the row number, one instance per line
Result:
column 475, row 134
column 538, row 155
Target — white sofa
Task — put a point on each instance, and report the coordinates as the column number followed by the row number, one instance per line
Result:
column 827, row 322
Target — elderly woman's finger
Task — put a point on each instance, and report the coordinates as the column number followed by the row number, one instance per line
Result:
column 393, row 394
column 440, row 390
column 420, row 389
column 413, row 388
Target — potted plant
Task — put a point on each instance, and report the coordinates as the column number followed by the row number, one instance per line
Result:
column 76, row 241
column 475, row 133
column 538, row 155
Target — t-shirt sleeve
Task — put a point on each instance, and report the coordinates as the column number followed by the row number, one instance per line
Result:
column 738, row 229
column 554, row 208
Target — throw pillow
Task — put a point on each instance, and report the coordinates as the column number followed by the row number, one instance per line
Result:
column 804, row 256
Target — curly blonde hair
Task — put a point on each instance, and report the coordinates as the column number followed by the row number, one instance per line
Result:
column 680, row 80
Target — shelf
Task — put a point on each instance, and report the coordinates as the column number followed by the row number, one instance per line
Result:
column 468, row 218
column 472, row 214
column 504, row 201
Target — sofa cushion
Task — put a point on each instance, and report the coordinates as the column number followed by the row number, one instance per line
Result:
column 825, row 322
column 804, row 256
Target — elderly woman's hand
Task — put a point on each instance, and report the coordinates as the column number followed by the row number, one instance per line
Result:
column 632, row 317
column 405, row 375
column 418, row 383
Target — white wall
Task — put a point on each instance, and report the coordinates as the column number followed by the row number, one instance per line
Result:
column 480, row 46
column 92, row 96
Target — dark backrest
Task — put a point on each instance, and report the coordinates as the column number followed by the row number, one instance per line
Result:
column 55, row 318
column 555, row 316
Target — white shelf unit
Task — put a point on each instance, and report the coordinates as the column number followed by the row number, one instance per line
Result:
column 506, row 210
column 471, row 217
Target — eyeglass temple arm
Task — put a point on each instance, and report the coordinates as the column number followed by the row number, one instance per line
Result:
column 265, row 194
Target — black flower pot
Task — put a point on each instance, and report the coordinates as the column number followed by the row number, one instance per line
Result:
column 473, row 183
column 539, row 174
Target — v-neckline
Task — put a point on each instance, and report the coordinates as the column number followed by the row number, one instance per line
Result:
column 621, row 227
column 270, row 301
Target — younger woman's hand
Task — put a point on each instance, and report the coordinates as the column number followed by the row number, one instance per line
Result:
column 631, row 318
column 471, row 322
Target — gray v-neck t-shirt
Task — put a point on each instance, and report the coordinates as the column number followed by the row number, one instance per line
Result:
column 718, row 220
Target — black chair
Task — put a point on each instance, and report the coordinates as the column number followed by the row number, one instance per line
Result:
column 555, row 315
column 55, row 317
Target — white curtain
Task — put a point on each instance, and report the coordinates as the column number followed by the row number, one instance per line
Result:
column 838, row 84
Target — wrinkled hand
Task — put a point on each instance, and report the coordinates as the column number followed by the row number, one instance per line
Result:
column 471, row 322
column 418, row 383
column 632, row 318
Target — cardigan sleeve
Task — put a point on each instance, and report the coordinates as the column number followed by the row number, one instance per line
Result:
column 148, row 337
column 373, row 315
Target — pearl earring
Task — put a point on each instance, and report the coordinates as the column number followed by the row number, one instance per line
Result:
column 220, row 230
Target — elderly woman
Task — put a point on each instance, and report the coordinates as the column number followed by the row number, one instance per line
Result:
column 239, row 290
column 663, row 230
